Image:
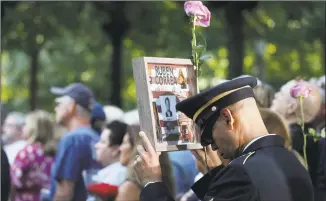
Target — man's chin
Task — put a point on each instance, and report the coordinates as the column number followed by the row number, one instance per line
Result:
column 227, row 156
column 224, row 156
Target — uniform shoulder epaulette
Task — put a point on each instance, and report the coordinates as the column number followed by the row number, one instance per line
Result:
column 242, row 159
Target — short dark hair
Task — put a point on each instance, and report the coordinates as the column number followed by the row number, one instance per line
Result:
column 118, row 131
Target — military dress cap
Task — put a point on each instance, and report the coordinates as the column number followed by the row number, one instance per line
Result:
column 204, row 108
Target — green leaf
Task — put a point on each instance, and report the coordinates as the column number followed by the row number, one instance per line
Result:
column 204, row 57
column 322, row 134
column 300, row 122
column 312, row 132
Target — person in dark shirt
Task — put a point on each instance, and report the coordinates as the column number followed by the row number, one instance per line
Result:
column 311, row 148
column 97, row 118
column 320, row 190
column 5, row 176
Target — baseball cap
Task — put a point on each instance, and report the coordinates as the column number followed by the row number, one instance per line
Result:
column 98, row 112
column 79, row 92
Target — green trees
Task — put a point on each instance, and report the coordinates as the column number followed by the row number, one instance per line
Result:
column 55, row 43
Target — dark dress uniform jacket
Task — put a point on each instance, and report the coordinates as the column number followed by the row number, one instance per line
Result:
column 320, row 190
column 5, row 176
column 265, row 172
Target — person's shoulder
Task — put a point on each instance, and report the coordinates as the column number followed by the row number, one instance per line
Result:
column 80, row 133
column 87, row 132
column 69, row 138
column 269, row 162
column 16, row 145
column 242, row 159
column 117, row 167
column 235, row 175
column 251, row 161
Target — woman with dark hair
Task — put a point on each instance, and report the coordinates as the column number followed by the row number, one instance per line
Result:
column 131, row 188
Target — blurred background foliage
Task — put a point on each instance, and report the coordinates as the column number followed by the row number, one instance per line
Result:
column 55, row 43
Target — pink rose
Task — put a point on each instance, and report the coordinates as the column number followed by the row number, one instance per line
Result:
column 300, row 90
column 203, row 16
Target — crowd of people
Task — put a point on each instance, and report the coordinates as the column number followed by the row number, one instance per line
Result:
column 88, row 151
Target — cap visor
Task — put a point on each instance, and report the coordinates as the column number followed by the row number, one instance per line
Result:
column 57, row 91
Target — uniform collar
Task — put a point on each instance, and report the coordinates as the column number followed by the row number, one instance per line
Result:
column 254, row 140
column 271, row 140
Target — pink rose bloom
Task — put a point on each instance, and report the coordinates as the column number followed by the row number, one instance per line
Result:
column 300, row 90
column 197, row 8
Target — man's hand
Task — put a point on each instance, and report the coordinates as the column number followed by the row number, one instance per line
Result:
column 212, row 157
column 147, row 165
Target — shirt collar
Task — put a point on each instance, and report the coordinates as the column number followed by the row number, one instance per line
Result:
column 254, row 140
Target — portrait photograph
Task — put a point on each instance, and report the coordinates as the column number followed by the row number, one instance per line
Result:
column 167, row 104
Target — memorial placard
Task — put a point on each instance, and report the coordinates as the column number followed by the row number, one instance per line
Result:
column 160, row 84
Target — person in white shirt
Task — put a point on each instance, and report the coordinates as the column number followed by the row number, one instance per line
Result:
column 107, row 152
column 12, row 138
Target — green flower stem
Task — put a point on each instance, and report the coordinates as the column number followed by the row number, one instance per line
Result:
column 304, row 134
column 194, row 53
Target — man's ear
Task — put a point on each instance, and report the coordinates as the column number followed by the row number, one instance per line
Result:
column 72, row 108
column 227, row 116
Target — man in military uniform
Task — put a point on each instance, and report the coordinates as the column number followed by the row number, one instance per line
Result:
column 229, row 120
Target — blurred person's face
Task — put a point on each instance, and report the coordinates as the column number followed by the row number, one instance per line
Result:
column 288, row 107
column 283, row 102
column 11, row 131
column 105, row 152
column 63, row 109
column 125, row 150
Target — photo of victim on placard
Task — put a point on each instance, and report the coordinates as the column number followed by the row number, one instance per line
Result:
column 168, row 118
column 168, row 108
column 169, row 81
